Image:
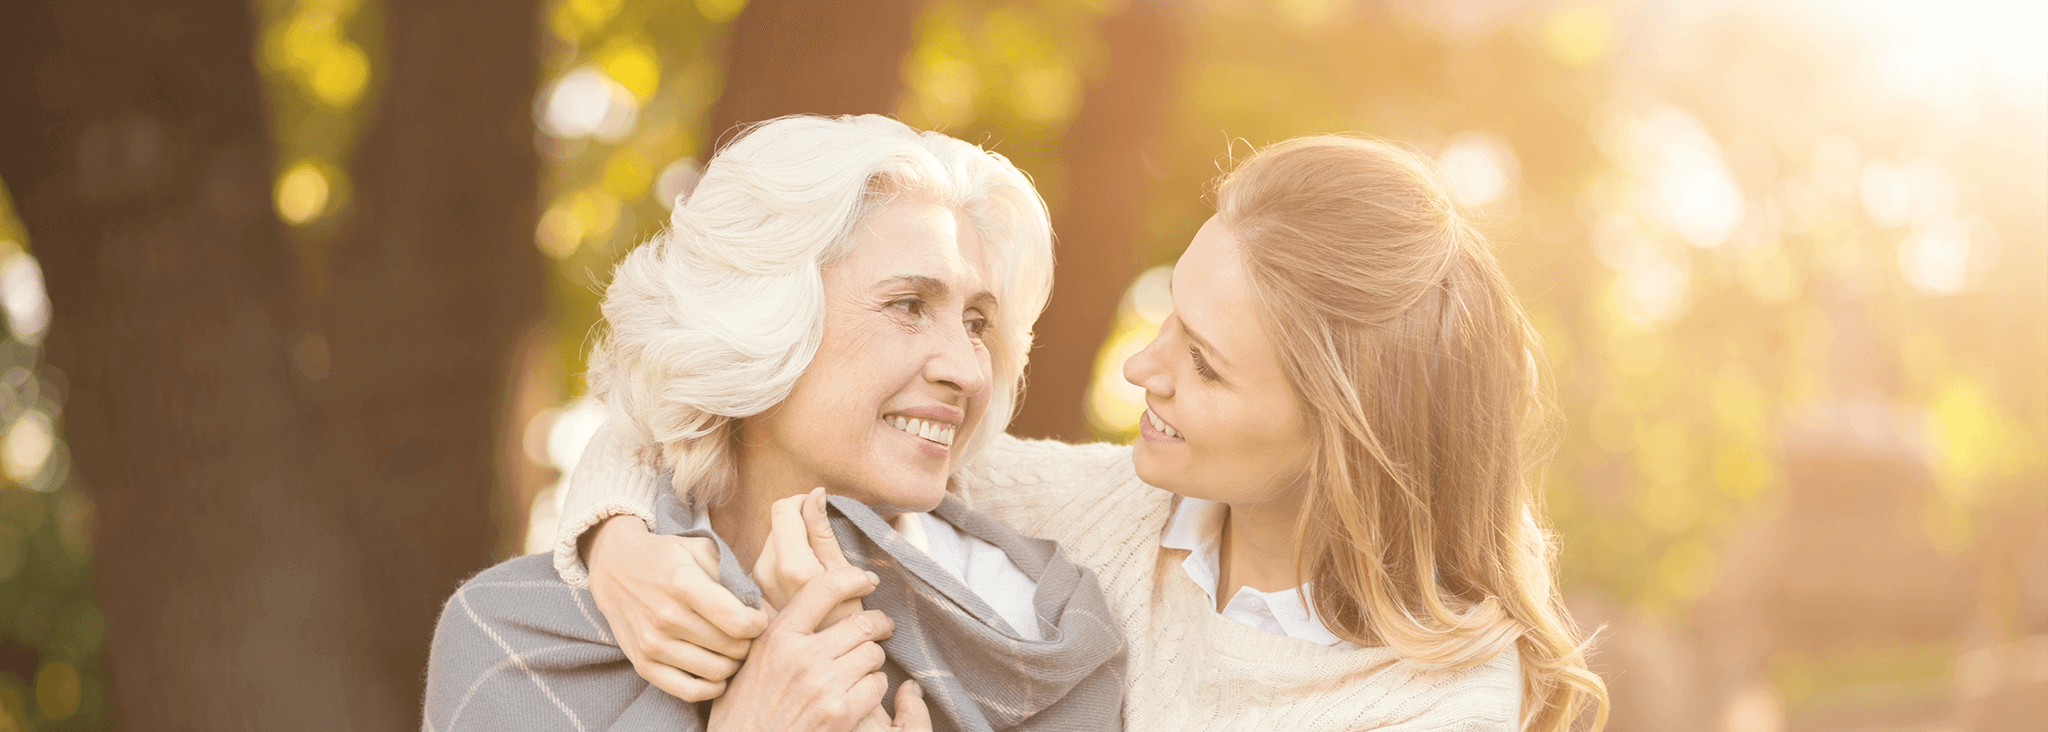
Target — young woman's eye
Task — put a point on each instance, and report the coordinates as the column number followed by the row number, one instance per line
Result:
column 1202, row 365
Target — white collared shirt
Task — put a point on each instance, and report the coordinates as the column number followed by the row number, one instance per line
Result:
column 1197, row 528
column 984, row 568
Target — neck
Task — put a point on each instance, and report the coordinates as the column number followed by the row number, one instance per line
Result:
column 744, row 520
column 1258, row 548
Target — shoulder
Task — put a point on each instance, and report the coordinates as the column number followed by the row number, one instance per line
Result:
column 1011, row 461
column 1485, row 697
column 521, row 598
column 518, row 648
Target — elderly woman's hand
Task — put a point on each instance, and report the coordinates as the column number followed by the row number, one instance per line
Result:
column 911, row 713
column 800, row 546
column 683, row 631
column 802, row 677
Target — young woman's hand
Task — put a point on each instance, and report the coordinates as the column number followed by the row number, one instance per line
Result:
column 683, row 631
column 799, row 677
column 800, row 546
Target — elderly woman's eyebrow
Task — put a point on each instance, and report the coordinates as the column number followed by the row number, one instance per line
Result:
column 933, row 287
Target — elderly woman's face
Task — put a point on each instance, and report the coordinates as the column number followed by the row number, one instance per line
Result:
column 901, row 377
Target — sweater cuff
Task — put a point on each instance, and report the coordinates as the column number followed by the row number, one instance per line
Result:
column 568, row 560
column 611, row 479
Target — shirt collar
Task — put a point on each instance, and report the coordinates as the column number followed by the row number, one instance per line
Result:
column 1196, row 527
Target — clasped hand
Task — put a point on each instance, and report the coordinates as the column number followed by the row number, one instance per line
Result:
column 812, row 656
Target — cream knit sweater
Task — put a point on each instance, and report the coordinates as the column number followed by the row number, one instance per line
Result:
column 1190, row 668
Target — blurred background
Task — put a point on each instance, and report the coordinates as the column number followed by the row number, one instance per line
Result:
column 297, row 292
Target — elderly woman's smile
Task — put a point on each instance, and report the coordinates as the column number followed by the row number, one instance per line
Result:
column 901, row 375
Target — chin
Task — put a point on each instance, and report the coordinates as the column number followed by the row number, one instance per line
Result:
column 1147, row 467
column 915, row 494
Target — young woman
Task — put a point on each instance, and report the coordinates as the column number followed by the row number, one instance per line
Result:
column 1326, row 522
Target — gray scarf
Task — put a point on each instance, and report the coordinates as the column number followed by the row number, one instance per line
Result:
column 518, row 649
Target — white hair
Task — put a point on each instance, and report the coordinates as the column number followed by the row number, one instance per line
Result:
column 715, row 318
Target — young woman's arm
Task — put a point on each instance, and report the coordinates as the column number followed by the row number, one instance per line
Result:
column 683, row 631
column 611, row 479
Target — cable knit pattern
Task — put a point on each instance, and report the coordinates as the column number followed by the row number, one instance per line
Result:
column 1191, row 668
column 612, row 482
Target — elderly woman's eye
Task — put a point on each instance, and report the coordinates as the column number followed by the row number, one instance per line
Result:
column 911, row 306
column 977, row 326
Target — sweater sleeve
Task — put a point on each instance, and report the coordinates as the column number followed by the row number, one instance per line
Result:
column 611, row 479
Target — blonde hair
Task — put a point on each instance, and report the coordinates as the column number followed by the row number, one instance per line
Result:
column 1419, row 372
column 715, row 318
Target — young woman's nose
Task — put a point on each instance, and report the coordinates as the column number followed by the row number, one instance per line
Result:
column 1145, row 370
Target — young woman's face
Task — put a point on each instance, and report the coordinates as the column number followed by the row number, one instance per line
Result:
column 1222, row 422
column 901, row 376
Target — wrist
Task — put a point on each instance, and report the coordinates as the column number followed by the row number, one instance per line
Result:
column 612, row 532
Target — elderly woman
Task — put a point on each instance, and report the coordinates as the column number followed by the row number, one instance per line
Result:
column 841, row 303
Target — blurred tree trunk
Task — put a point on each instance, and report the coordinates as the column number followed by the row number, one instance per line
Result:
column 138, row 153
column 273, row 548
column 812, row 56
column 1098, row 219
column 434, row 279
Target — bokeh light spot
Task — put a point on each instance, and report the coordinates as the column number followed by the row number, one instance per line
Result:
column 1115, row 405
column 558, row 234
column 675, row 181
column 627, row 175
column 57, row 690
column 22, row 295
column 1046, row 94
column 635, row 67
column 340, row 75
column 578, row 19
column 720, row 11
column 947, row 89
column 301, row 193
column 27, row 446
column 586, row 102
column 1478, row 168
column 1579, row 36
column 1936, row 259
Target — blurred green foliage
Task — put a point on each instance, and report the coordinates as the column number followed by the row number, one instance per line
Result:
column 52, row 662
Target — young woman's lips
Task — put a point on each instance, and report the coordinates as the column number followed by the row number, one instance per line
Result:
column 1151, row 432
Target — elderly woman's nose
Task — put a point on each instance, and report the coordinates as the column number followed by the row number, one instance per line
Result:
column 958, row 363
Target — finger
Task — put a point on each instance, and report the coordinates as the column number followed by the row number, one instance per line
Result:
column 911, row 713
column 818, row 596
column 867, row 692
column 678, row 684
column 773, row 594
column 704, row 550
column 864, row 658
column 677, row 623
column 818, row 529
column 866, row 626
column 713, row 602
column 691, row 659
column 792, row 542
